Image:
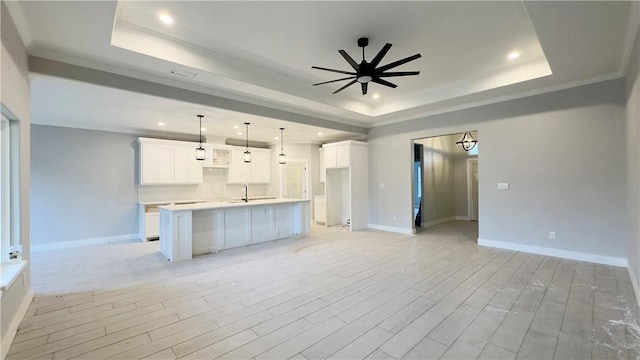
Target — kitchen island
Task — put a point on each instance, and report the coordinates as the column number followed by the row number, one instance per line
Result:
column 200, row 228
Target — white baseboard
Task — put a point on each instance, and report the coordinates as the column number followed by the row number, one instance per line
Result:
column 8, row 337
column 462, row 218
column 566, row 254
column 94, row 241
column 391, row 229
column 634, row 282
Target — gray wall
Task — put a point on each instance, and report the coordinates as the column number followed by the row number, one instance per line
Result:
column 633, row 160
column 83, row 184
column 15, row 92
column 562, row 153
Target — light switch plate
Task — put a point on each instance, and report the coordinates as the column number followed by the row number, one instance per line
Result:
column 503, row 186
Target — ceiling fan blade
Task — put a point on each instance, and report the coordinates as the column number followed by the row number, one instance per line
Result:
column 349, row 59
column 398, row 63
column 376, row 60
column 333, row 70
column 385, row 83
column 346, row 86
column 399, row 73
column 364, row 88
column 330, row 81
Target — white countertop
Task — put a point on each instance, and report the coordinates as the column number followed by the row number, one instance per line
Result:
column 170, row 202
column 229, row 204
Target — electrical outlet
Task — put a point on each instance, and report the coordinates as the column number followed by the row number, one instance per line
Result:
column 552, row 235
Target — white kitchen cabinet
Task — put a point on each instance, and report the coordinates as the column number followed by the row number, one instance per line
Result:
column 320, row 209
column 330, row 156
column 282, row 221
column 168, row 162
column 258, row 171
column 262, row 223
column 323, row 171
column 151, row 224
column 156, row 163
column 343, row 156
column 217, row 156
column 209, row 227
column 187, row 170
column 347, row 184
column 337, row 155
column 237, row 233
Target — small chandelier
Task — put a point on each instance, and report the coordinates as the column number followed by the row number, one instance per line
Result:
column 466, row 142
column 247, row 153
column 200, row 150
column 282, row 158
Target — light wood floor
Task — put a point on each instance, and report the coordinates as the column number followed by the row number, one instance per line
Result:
column 335, row 294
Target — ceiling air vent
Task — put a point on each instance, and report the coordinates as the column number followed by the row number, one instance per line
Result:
column 184, row 73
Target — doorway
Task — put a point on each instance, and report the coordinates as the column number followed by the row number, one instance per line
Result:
column 445, row 185
column 295, row 182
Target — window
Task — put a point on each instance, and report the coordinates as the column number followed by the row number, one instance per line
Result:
column 9, row 190
column 5, row 203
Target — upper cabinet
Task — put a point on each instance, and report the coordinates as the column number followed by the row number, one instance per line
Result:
column 258, row 171
column 187, row 170
column 336, row 155
column 156, row 163
column 167, row 162
column 217, row 156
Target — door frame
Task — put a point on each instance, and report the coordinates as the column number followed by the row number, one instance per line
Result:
column 283, row 177
column 469, row 186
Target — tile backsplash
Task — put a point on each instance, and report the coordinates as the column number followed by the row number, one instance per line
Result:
column 213, row 186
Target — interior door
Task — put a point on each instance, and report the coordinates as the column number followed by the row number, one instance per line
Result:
column 295, row 184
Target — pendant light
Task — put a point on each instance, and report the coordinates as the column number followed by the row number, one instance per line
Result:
column 247, row 153
column 200, row 152
column 282, row 158
column 466, row 142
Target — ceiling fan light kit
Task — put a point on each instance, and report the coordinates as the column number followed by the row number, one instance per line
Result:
column 367, row 72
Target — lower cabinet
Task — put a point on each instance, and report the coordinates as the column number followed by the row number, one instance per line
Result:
column 215, row 230
column 151, row 225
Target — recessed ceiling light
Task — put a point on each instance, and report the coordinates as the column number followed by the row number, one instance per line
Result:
column 277, row 138
column 513, row 55
column 320, row 134
column 203, row 129
column 236, row 127
column 160, row 123
column 239, row 133
column 376, row 96
column 166, row 18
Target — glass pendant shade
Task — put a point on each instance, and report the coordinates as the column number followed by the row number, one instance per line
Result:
column 247, row 153
column 282, row 158
column 467, row 142
column 200, row 152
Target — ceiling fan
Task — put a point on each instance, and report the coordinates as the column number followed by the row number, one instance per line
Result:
column 366, row 72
